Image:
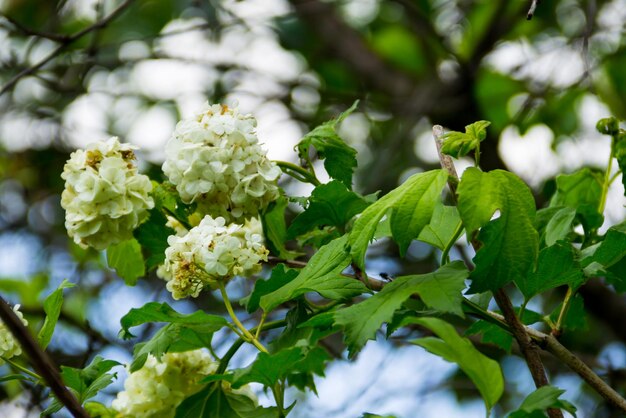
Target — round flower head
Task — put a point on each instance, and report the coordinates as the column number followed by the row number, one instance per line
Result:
column 105, row 198
column 215, row 159
column 155, row 390
column 9, row 347
column 212, row 252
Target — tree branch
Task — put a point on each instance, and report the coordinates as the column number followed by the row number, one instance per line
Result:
column 42, row 364
column 64, row 44
column 529, row 350
column 539, row 339
column 31, row 32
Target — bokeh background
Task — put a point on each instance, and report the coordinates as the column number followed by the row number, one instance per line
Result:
column 542, row 83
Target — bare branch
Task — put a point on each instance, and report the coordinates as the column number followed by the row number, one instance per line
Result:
column 67, row 42
column 529, row 349
column 41, row 362
column 31, row 32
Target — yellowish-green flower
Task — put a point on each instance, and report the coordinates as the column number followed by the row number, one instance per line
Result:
column 9, row 347
column 105, row 198
column 212, row 252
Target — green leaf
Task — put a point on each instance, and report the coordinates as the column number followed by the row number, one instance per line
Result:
column 560, row 225
column 167, row 199
column 85, row 383
column 89, row 381
column 268, row 369
column 609, row 257
column 483, row 371
column 459, row 144
column 581, row 191
column 330, row 204
column 412, row 205
column 541, row 399
column 339, row 158
column 442, row 226
column 127, row 260
column 275, row 228
column 491, row 334
column 613, row 247
column 172, row 338
column 280, row 277
column 510, row 242
column 439, row 290
column 52, row 307
column 556, row 266
column 214, row 401
column 152, row 235
column 162, row 312
column 322, row 274
column 414, row 210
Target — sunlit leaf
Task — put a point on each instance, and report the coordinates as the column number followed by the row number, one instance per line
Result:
column 484, row 372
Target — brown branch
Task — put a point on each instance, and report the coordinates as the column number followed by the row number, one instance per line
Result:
column 549, row 343
column 41, row 362
column 64, row 44
column 540, row 340
column 529, row 349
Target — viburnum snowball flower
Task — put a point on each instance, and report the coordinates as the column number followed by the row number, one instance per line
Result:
column 155, row 390
column 105, row 198
column 211, row 252
column 214, row 158
column 9, row 347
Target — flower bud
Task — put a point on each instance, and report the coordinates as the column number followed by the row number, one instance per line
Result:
column 608, row 126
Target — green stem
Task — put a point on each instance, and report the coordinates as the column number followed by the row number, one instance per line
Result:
column 278, row 392
column 23, row 369
column 246, row 334
column 523, row 308
column 564, row 307
column 455, row 237
column 302, row 174
column 607, row 180
column 260, row 326
column 477, row 156
column 237, row 344
column 474, row 309
column 616, row 175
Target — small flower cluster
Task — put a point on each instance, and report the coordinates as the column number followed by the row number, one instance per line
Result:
column 155, row 390
column 104, row 198
column 9, row 347
column 212, row 252
column 215, row 160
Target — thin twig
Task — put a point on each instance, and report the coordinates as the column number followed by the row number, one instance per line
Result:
column 541, row 340
column 31, row 32
column 41, row 362
column 549, row 343
column 529, row 349
column 531, row 11
column 64, row 44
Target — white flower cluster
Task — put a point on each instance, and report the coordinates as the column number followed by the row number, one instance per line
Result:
column 212, row 252
column 155, row 390
column 9, row 347
column 215, row 159
column 104, row 198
